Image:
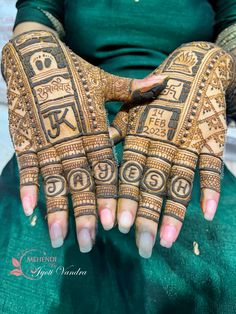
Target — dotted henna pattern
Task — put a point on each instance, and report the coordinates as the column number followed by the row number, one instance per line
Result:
column 186, row 123
column 58, row 121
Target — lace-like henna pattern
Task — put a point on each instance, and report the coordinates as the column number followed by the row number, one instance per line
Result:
column 58, row 121
column 166, row 137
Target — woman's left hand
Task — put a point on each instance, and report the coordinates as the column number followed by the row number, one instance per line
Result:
column 165, row 140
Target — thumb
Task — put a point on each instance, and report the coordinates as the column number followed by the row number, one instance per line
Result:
column 132, row 90
column 142, row 90
column 118, row 128
column 122, row 88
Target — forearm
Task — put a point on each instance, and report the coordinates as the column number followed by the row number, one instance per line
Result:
column 28, row 26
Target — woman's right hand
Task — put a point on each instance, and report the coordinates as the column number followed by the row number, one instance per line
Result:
column 58, row 126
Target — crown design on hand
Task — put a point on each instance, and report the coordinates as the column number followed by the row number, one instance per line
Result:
column 184, row 62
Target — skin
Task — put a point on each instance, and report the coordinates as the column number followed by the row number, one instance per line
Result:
column 146, row 231
column 170, row 227
column 58, row 221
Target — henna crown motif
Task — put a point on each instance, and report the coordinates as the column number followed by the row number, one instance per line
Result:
column 185, row 61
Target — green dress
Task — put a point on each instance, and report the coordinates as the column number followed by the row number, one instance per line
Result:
column 130, row 38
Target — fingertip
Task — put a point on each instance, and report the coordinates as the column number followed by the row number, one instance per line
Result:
column 209, row 203
column 29, row 196
column 58, row 227
column 166, row 244
column 125, row 221
column 107, row 219
column 85, row 240
column 56, row 235
column 145, row 245
column 107, row 212
column 126, row 214
column 169, row 232
column 210, row 209
column 27, row 205
column 86, row 232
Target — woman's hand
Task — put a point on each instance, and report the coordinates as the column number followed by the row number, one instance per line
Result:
column 166, row 138
column 58, row 126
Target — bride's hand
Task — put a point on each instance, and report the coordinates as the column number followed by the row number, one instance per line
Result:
column 58, row 125
column 166, row 138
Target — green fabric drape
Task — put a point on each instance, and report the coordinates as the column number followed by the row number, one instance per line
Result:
column 127, row 38
column 118, row 281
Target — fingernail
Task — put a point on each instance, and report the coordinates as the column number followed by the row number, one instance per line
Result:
column 106, row 219
column 27, row 205
column 125, row 221
column 166, row 243
column 168, row 235
column 161, row 76
column 211, row 206
column 85, row 240
column 146, row 243
column 56, row 235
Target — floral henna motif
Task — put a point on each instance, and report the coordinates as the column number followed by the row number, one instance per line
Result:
column 186, row 123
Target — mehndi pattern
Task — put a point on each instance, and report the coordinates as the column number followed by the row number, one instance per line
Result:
column 58, row 121
column 168, row 136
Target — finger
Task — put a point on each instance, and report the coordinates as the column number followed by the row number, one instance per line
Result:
column 118, row 128
column 148, row 88
column 142, row 90
column 98, row 149
column 96, row 141
column 178, row 196
column 28, row 167
column 55, row 187
column 82, row 189
column 210, row 167
column 209, row 203
column 152, row 191
column 132, row 90
column 29, row 197
column 134, row 158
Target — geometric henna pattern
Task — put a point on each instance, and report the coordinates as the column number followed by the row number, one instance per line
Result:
column 185, row 123
column 226, row 40
column 58, row 122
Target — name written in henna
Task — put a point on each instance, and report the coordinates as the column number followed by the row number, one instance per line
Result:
column 104, row 171
column 47, row 91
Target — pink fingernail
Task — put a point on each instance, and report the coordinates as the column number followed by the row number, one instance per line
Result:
column 106, row 219
column 27, row 205
column 211, row 206
column 169, row 233
column 160, row 77
column 166, row 244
